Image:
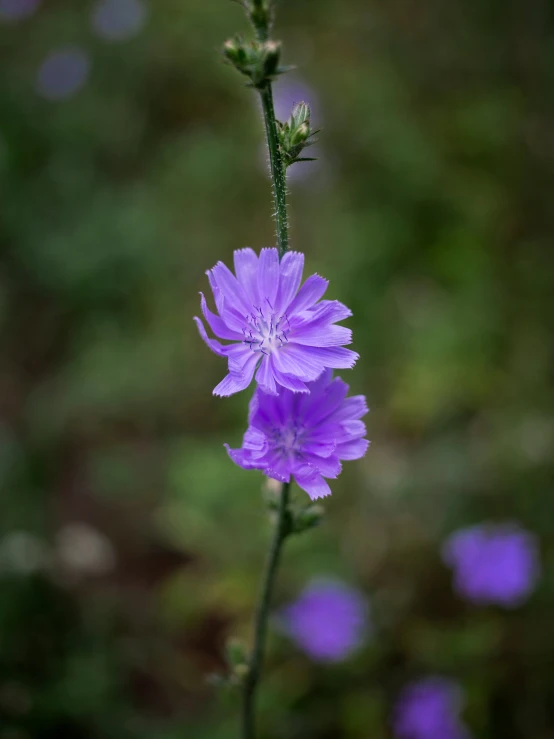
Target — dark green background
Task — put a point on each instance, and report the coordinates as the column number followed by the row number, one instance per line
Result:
column 432, row 214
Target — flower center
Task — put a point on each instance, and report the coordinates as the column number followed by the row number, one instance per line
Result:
column 289, row 440
column 265, row 331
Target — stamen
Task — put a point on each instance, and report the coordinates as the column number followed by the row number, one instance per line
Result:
column 263, row 332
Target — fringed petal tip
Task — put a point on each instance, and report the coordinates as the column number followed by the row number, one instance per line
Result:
column 241, row 458
column 312, row 482
column 214, row 345
column 230, row 385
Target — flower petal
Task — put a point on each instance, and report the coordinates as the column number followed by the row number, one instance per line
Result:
column 355, row 429
column 217, row 324
column 235, row 320
column 331, row 311
column 290, row 382
column 218, row 295
column 335, row 357
column 214, row 345
column 277, row 467
column 327, row 466
column 291, row 268
column 246, row 269
column 234, row 382
column 298, row 361
column 232, row 291
column 310, row 292
column 255, row 441
column 265, row 378
column 268, row 276
column 312, row 482
column 352, row 449
column 242, row 458
column 239, row 355
column 329, row 398
column 351, row 409
column 325, row 335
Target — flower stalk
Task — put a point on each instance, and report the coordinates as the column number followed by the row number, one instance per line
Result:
column 266, row 289
column 259, row 60
column 282, row 530
column 278, row 176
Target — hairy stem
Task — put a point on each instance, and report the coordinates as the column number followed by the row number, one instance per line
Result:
column 262, row 613
column 278, row 176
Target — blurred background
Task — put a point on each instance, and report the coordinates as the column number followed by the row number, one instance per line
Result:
column 131, row 160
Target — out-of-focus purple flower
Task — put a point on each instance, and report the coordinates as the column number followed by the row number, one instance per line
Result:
column 329, row 620
column 288, row 335
column 63, row 73
column 13, row 10
column 304, row 436
column 495, row 563
column 430, row 709
column 287, row 91
column 118, row 20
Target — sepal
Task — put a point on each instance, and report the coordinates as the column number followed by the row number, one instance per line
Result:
column 307, row 518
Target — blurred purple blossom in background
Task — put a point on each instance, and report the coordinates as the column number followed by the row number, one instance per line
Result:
column 12, row 10
column 496, row 563
column 329, row 620
column 62, row 73
column 289, row 90
column 118, row 20
column 430, row 709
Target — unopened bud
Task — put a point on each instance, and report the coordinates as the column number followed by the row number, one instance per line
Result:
column 308, row 517
column 301, row 134
column 272, row 54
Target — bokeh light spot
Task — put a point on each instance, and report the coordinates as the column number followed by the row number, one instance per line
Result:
column 14, row 10
column 118, row 20
column 63, row 73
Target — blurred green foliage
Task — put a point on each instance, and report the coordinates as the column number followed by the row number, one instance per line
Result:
column 431, row 212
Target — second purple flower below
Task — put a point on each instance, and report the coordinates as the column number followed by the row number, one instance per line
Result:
column 304, row 436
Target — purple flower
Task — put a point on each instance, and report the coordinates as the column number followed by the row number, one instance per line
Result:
column 304, row 436
column 286, row 334
column 430, row 709
column 328, row 621
column 289, row 90
column 493, row 563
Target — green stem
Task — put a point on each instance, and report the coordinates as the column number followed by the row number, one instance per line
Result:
column 278, row 175
column 262, row 613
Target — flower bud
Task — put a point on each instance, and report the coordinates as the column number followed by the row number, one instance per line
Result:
column 258, row 60
column 296, row 134
column 308, row 518
column 259, row 12
column 233, row 50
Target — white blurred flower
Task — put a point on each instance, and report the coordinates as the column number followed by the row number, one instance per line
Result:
column 82, row 550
